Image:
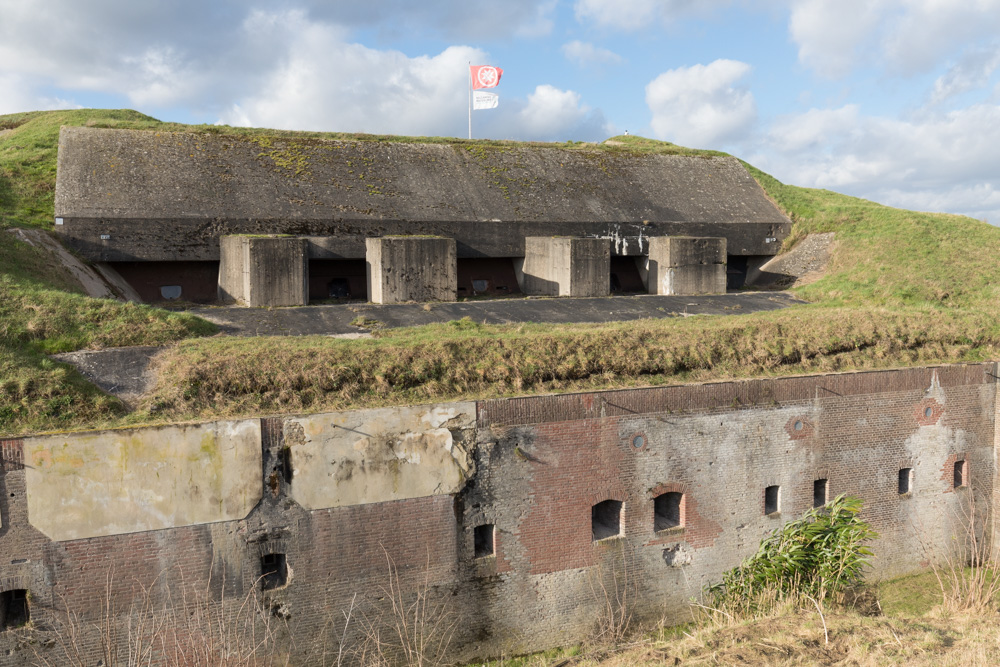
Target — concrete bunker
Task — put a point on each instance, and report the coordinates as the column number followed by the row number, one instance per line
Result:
column 268, row 270
column 411, row 268
column 565, row 266
column 133, row 220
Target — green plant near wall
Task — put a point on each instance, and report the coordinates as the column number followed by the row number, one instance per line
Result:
column 819, row 556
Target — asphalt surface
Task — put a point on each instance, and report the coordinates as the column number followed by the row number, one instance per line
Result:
column 336, row 320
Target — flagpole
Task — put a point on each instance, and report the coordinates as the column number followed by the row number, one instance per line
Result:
column 470, row 100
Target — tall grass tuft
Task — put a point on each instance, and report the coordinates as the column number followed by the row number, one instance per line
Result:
column 819, row 556
column 966, row 568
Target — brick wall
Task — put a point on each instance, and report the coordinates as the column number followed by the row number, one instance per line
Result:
column 541, row 464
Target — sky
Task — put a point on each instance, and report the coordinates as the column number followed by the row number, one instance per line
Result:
column 897, row 101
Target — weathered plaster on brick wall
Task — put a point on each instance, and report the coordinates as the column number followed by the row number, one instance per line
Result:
column 533, row 468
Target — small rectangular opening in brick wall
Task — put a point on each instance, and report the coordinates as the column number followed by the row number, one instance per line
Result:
column 905, row 480
column 820, row 493
column 483, row 540
column 772, row 500
column 606, row 519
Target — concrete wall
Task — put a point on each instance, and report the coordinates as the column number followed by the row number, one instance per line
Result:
column 268, row 271
column 685, row 265
column 113, row 482
column 559, row 266
column 411, row 268
column 488, row 198
column 374, row 456
column 354, row 501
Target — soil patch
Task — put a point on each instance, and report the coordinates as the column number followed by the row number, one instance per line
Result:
column 803, row 264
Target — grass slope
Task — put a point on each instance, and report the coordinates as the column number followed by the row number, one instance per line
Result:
column 42, row 308
column 909, row 626
column 903, row 288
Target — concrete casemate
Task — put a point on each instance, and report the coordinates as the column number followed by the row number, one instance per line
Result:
column 411, row 268
column 182, row 191
column 565, row 266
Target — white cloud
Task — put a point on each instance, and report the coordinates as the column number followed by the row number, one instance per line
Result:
column 454, row 19
column 971, row 73
column 928, row 30
column 20, row 95
column 904, row 36
column 586, row 54
column 296, row 68
column 701, row 106
column 932, row 161
column 541, row 22
column 181, row 53
column 625, row 14
column 550, row 112
column 981, row 200
column 831, row 33
column 324, row 82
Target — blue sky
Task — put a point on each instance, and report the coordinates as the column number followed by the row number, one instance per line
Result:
column 892, row 100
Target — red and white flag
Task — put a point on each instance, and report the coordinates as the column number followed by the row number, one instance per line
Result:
column 485, row 76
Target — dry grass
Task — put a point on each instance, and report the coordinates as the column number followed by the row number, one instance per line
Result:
column 231, row 377
column 796, row 637
column 197, row 629
column 799, row 635
column 415, row 630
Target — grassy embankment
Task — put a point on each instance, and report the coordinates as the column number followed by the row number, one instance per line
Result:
column 912, row 629
column 903, row 288
column 42, row 308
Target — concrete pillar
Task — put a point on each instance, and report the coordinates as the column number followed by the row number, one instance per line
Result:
column 263, row 271
column 565, row 266
column 411, row 268
column 686, row 265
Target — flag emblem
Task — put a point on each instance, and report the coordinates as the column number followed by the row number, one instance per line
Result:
column 485, row 76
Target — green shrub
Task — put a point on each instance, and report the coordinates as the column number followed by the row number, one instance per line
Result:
column 823, row 554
